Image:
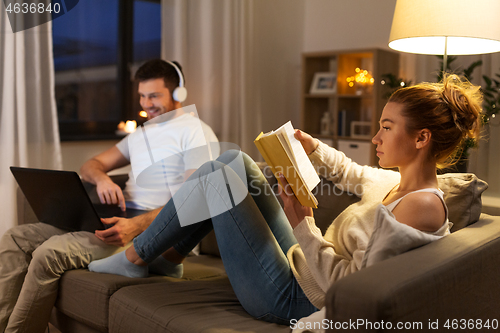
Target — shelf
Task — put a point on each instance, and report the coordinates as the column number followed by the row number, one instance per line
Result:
column 366, row 106
column 338, row 95
column 355, row 96
column 350, row 138
column 320, row 95
column 333, row 137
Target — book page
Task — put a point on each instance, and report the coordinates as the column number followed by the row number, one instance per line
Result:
column 298, row 155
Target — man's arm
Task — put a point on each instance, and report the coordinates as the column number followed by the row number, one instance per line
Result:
column 124, row 230
column 95, row 171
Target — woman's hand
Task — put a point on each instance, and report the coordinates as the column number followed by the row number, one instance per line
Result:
column 292, row 207
column 308, row 142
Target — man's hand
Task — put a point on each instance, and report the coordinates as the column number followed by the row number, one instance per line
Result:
column 292, row 207
column 95, row 171
column 308, row 142
column 110, row 193
column 123, row 231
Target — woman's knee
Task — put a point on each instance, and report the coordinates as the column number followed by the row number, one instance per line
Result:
column 208, row 168
column 231, row 155
column 238, row 169
column 241, row 163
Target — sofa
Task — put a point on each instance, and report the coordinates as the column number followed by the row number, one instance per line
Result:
column 442, row 283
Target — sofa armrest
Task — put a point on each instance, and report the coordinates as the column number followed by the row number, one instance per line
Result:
column 453, row 278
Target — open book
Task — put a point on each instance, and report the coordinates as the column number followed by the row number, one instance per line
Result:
column 285, row 154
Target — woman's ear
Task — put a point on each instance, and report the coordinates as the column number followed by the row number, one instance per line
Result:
column 423, row 138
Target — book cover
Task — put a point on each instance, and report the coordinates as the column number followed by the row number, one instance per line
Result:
column 285, row 154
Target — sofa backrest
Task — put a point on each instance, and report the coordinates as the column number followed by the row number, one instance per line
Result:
column 455, row 277
column 462, row 193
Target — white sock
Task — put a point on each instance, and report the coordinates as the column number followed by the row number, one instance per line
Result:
column 162, row 266
column 118, row 264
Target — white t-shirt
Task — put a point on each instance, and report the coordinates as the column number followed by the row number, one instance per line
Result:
column 160, row 154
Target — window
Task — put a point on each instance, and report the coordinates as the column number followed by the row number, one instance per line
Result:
column 96, row 44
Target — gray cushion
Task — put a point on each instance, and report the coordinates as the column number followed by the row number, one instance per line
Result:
column 462, row 194
column 85, row 295
column 192, row 306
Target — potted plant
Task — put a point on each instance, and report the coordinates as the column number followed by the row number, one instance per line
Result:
column 463, row 154
column 491, row 93
column 491, row 106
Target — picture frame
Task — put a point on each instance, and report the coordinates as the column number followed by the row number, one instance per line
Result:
column 361, row 129
column 324, row 83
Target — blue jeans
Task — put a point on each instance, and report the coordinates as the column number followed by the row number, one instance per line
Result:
column 253, row 238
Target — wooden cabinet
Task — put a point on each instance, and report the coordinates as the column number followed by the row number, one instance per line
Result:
column 354, row 108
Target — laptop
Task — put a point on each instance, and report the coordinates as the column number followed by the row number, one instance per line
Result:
column 59, row 198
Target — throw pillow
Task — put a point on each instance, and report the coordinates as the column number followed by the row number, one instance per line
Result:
column 462, row 194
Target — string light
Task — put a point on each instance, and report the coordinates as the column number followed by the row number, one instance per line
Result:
column 126, row 127
column 362, row 77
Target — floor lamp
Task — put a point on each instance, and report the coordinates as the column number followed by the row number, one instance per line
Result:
column 446, row 27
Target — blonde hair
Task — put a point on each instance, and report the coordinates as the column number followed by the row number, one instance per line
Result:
column 450, row 110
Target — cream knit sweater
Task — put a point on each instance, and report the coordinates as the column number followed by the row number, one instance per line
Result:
column 317, row 261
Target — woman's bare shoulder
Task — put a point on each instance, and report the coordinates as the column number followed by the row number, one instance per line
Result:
column 421, row 210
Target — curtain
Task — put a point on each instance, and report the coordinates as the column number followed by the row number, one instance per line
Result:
column 29, row 135
column 213, row 40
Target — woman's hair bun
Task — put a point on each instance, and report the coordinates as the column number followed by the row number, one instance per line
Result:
column 464, row 102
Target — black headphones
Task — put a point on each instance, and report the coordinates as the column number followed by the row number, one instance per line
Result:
column 180, row 93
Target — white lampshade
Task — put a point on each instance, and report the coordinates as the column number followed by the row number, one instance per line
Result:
column 459, row 26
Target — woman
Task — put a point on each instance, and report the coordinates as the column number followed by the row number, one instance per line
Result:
column 279, row 264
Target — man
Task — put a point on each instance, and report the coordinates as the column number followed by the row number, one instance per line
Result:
column 34, row 256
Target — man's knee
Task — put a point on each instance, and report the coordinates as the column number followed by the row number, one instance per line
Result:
column 45, row 261
column 57, row 255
